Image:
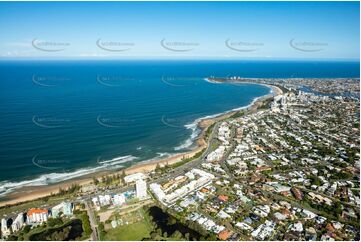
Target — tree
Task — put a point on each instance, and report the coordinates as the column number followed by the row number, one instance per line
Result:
column 153, row 235
column 212, row 237
column 12, row 238
column 95, row 181
column 177, row 235
column 337, row 208
column 157, row 168
column 86, row 224
column 122, row 176
column 52, row 222
column 26, row 229
column 101, row 230
column 171, row 221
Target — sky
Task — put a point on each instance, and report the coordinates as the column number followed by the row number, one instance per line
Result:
column 180, row 30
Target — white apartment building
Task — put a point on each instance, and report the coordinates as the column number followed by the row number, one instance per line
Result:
column 18, row 222
column 141, row 189
column 5, row 231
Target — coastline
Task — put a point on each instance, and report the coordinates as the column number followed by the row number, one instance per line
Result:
column 35, row 192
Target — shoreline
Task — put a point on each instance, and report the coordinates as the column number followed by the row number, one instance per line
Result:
column 29, row 193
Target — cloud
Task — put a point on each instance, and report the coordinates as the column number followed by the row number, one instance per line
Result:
column 91, row 54
column 19, row 44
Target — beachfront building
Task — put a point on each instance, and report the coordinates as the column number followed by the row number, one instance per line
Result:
column 18, row 222
column 5, row 231
column 101, row 201
column 158, row 191
column 118, row 199
column 65, row 208
column 141, row 189
column 134, row 177
column 104, row 200
column 198, row 178
column 37, row 215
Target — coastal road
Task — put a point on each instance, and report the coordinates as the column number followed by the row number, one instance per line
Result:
column 174, row 173
column 191, row 164
column 196, row 162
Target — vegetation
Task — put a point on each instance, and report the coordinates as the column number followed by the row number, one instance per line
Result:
column 341, row 175
column 70, row 190
column 167, row 167
column 209, row 130
column 238, row 114
column 52, row 199
column 54, row 229
column 131, row 232
column 137, row 230
column 315, row 180
column 82, row 215
column 52, row 222
column 101, row 230
column 265, row 104
column 186, row 160
column 169, row 226
column 71, row 230
column 112, row 179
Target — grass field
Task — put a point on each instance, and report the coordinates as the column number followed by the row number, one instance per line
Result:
column 139, row 227
column 136, row 231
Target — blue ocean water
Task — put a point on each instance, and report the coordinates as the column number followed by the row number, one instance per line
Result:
column 62, row 119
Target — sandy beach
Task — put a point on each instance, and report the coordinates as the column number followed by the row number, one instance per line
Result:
column 35, row 192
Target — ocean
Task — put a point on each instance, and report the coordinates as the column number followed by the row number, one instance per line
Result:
column 63, row 119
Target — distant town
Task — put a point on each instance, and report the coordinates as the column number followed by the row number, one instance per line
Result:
column 285, row 169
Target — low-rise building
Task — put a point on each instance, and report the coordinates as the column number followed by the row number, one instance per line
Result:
column 65, row 208
column 118, row 199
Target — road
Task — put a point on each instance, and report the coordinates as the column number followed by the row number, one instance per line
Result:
column 174, row 173
column 93, row 223
column 191, row 164
column 86, row 199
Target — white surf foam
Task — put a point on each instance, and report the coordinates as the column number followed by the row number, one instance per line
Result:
column 51, row 178
column 195, row 128
column 163, row 155
column 195, row 132
column 213, row 82
column 117, row 160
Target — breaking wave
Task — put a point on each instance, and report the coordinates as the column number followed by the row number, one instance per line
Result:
column 51, row 178
column 194, row 126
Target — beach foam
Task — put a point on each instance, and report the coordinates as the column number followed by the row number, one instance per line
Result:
column 115, row 163
column 190, row 141
column 51, row 178
column 195, row 128
column 213, row 82
column 163, row 155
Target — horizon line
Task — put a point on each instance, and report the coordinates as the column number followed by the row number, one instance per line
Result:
column 173, row 59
